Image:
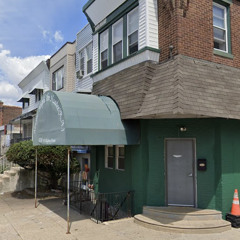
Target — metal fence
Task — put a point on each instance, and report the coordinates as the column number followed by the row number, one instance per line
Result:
column 101, row 206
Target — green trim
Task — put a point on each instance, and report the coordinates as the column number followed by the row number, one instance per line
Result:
column 90, row 21
column 125, row 36
column 222, row 54
column 226, row 3
column 223, row 1
column 90, row 2
column 128, row 57
column 118, row 13
column 229, row 30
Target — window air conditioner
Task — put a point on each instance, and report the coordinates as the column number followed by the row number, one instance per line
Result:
column 79, row 74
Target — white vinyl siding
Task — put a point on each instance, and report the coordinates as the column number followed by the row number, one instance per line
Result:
column 39, row 74
column 84, row 41
column 148, row 24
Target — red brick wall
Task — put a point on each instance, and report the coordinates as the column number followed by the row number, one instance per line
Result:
column 189, row 28
column 8, row 113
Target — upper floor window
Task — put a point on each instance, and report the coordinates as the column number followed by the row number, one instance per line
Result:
column 104, row 49
column 89, row 58
column 133, row 31
column 81, row 55
column 38, row 95
column 58, row 79
column 117, row 39
column 220, row 29
column 25, row 103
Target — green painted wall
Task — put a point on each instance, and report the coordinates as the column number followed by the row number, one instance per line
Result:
column 217, row 140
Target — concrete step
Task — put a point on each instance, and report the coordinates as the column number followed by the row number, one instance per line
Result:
column 10, row 173
column 182, row 220
column 180, row 213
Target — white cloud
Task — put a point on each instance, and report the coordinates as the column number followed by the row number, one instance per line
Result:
column 45, row 34
column 12, row 71
column 1, row 46
column 58, row 37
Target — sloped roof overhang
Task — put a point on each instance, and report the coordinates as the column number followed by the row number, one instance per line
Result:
column 79, row 119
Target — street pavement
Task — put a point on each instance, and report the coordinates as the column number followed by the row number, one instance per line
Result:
column 20, row 220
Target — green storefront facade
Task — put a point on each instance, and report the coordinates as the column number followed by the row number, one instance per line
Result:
column 216, row 140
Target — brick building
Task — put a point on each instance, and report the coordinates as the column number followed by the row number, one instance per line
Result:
column 7, row 113
column 174, row 67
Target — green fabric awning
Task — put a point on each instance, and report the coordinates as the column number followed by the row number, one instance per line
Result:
column 79, row 119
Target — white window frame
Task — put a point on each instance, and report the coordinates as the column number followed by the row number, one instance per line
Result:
column 107, row 155
column 117, row 157
column 224, row 29
column 114, row 43
column 106, row 48
column 130, row 33
column 57, row 80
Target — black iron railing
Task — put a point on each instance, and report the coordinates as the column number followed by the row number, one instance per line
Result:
column 101, row 206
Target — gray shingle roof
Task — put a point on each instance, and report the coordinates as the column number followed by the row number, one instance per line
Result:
column 180, row 88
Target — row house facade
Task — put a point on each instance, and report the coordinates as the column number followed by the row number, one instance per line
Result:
column 174, row 67
column 33, row 86
column 171, row 68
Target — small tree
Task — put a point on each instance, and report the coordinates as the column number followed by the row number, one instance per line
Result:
column 51, row 159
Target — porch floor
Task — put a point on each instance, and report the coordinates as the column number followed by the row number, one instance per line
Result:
column 182, row 219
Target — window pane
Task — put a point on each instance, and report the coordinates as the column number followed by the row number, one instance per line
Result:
column 117, row 32
column 220, row 45
column 110, row 151
column 104, row 40
column 133, row 21
column 117, row 52
column 104, row 60
column 89, row 66
column 218, row 22
column 218, row 12
column 110, row 162
column 89, row 51
column 219, row 33
column 133, row 43
column 121, row 163
column 121, row 151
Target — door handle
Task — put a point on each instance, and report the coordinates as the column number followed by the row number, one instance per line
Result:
column 190, row 175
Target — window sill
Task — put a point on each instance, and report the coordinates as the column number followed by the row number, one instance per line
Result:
column 222, row 54
column 144, row 54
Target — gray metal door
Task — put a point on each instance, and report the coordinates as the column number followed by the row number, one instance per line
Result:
column 180, row 172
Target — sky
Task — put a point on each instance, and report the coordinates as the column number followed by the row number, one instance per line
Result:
column 32, row 31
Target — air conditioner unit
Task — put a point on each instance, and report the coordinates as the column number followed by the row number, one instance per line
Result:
column 79, row 74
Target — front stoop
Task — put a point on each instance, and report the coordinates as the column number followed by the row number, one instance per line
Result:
column 182, row 220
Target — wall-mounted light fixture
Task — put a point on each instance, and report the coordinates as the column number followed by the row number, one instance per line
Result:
column 182, row 129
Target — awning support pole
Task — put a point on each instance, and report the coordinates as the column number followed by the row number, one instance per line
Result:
column 68, row 192
column 36, row 178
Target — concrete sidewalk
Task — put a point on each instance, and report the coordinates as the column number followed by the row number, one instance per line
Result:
column 19, row 220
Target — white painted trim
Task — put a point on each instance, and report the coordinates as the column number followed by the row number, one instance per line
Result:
column 141, row 57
